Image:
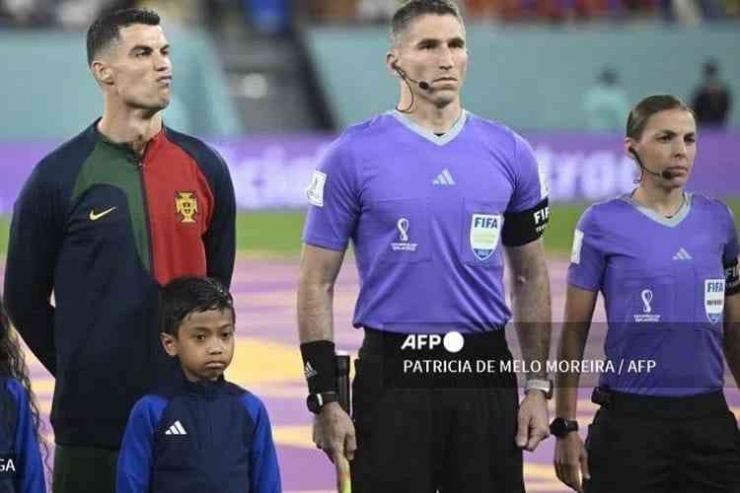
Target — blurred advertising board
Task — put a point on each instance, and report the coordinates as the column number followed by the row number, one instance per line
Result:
column 274, row 171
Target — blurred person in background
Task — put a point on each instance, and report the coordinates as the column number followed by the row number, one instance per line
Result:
column 431, row 196
column 732, row 8
column 666, row 263
column 76, row 14
column 25, row 13
column 712, row 100
column 103, row 221
column 483, row 9
column 606, row 103
column 271, row 17
column 331, row 10
column 377, row 10
column 177, row 12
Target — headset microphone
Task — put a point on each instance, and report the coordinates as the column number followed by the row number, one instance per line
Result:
column 666, row 174
column 424, row 85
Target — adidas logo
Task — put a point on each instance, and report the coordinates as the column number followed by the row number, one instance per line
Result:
column 308, row 370
column 682, row 254
column 176, row 429
column 444, row 178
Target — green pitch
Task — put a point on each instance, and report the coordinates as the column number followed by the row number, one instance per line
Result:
column 278, row 233
column 4, row 226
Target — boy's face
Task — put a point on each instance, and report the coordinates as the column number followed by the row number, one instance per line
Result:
column 204, row 344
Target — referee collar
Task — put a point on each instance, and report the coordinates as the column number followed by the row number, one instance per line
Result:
column 422, row 132
column 670, row 222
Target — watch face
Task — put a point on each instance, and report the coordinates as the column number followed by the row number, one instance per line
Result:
column 558, row 428
column 312, row 402
column 561, row 427
column 315, row 402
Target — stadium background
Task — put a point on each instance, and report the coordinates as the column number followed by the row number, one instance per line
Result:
column 271, row 82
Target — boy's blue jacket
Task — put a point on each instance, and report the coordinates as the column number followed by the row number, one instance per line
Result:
column 198, row 438
column 25, row 474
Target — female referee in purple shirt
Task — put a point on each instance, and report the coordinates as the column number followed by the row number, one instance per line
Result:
column 666, row 264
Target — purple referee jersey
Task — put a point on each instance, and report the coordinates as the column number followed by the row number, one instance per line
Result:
column 663, row 282
column 425, row 215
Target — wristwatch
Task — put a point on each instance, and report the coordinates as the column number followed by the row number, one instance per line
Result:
column 314, row 402
column 561, row 427
column 537, row 384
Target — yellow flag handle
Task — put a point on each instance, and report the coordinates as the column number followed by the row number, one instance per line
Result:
column 344, row 482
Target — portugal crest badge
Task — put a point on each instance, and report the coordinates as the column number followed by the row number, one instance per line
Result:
column 186, row 204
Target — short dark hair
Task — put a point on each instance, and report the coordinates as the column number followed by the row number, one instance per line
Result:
column 641, row 113
column 186, row 295
column 413, row 9
column 106, row 28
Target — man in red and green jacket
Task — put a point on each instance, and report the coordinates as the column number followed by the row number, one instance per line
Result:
column 103, row 221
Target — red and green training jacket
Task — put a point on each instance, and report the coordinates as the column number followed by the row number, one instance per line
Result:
column 103, row 227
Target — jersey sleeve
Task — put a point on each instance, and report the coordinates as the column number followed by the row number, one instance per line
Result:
column 333, row 199
column 531, row 186
column 220, row 239
column 29, row 468
column 730, row 253
column 135, row 457
column 587, row 264
column 527, row 213
column 263, row 464
column 33, row 246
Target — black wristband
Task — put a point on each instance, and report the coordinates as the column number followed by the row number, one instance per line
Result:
column 319, row 366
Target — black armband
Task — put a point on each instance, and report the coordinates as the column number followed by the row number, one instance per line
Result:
column 319, row 366
column 524, row 227
column 732, row 278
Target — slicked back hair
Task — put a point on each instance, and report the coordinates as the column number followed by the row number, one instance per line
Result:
column 641, row 113
column 106, row 28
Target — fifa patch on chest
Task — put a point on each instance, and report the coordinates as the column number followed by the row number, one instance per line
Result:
column 714, row 299
column 485, row 230
column 186, row 205
column 315, row 190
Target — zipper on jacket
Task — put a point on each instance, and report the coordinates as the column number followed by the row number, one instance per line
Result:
column 203, row 407
column 147, row 212
column 140, row 169
column 211, row 403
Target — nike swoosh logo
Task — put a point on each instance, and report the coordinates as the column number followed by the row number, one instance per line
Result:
column 95, row 217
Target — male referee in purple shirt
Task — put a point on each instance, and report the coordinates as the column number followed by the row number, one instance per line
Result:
column 430, row 196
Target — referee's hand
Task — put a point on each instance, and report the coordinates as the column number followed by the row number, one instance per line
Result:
column 532, row 425
column 571, row 461
column 334, row 433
